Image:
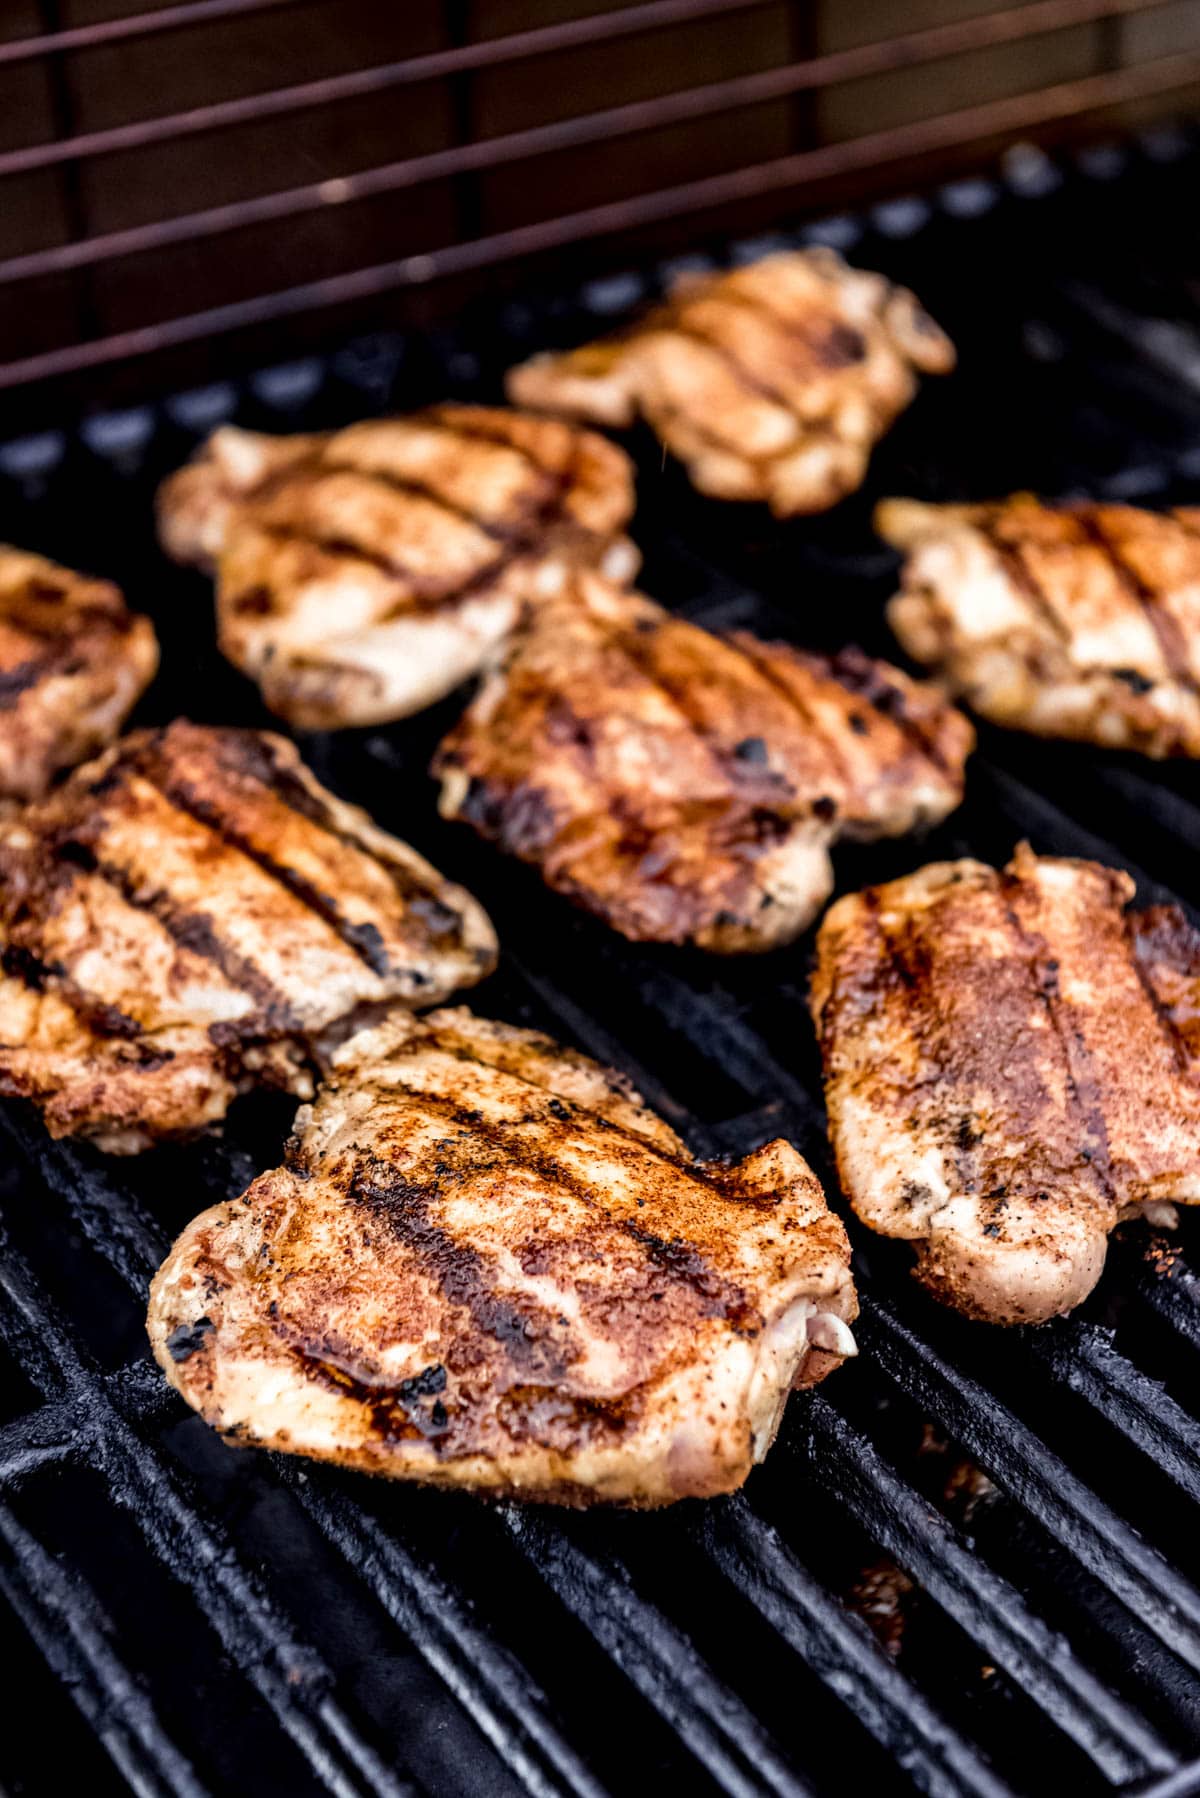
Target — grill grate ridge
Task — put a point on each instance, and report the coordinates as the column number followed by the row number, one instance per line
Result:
column 726, row 1054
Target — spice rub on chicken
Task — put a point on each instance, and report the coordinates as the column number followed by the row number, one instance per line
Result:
column 73, row 662
column 771, row 382
column 1078, row 621
column 1012, row 1067
column 187, row 916
column 365, row 574
column 486, row 1264
column 687, row 787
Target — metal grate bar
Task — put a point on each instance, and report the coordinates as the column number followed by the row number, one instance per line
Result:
column 972, row 125
column 1032, row 811
column 660, row 1661
column 845, row 1656
column 141, row 24
column 688, row 105
column 1087, row 1364
column 358, row 83
column 285, row 1670
column 130, row 1240
column 30, row 1443
column 1040, row 1663
column 1036, row 1478
column 1170, row 1289
column 66, row 1621
column 492, row 1688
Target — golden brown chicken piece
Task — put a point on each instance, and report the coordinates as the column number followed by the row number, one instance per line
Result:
column 485, row 1264
column 687, row 787
column 73, row 662
column 1078, row 621
column 771, row 382
column 1011, row 1065
column 190, row 915
column 363, row 575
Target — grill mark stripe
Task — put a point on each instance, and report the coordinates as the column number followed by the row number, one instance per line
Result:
column 631, row 647
column 428, row 593
column 1082, row 1086
column 806, row 719
column 1166, row 630
column 290, row 786
column 425, row 592
column 97, row 1015
column 194, row 932
column 507, row 1137
column 413, row 487
column 15, row 682
column 361, row 939
column 476, row 430
column 1020, row 574
column 1178, row 1047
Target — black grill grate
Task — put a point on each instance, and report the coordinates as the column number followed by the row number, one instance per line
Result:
column 971, row 1564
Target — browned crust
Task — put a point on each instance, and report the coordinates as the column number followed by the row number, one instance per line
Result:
column 187, row 915
column 1010, row 1062
column 486, row 1264
column 686, row 787
column 367, row 572
column 1097, row 635
column 771, row 382
column 73, row 662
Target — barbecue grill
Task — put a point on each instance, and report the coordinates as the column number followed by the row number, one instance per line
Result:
column 971, row 1563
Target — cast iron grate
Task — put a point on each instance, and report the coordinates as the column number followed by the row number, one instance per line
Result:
column 971, row 1566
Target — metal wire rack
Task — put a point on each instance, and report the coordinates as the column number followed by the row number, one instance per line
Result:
column 970, row 1564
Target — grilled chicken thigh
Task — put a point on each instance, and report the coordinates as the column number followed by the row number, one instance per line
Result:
column 1012, row 1066
column 189, row 915
column 687, row 787
column 1077, row 621
column 362, row 575
column 486, row 1264
column 73, row 662
column 771, row 382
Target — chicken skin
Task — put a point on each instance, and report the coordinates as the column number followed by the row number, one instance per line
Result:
column 1012, row 1067
column 74, row 660
column 771, row 382
column 687, row 787
column 192, row 914
column 486, row 1264
column 1078, row 621
column 365, row 574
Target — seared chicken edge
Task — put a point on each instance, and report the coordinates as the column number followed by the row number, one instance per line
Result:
column 486, row 1264
column 1012, row 1067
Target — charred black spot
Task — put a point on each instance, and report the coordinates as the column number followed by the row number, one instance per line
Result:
column 842, row 346
column 422, row 1385
column 439, row 919
column 480, row 808
column 75, row 854
column 367, row 944
column 559, row 1110
column 18, row 680
column 255, row 602
column 188, row 1339
column 22, row 964
column 751, row 749
column 1137, row 683
column 527, row 821
column 966, row 1136
column 858, row 724
column 824, row 808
